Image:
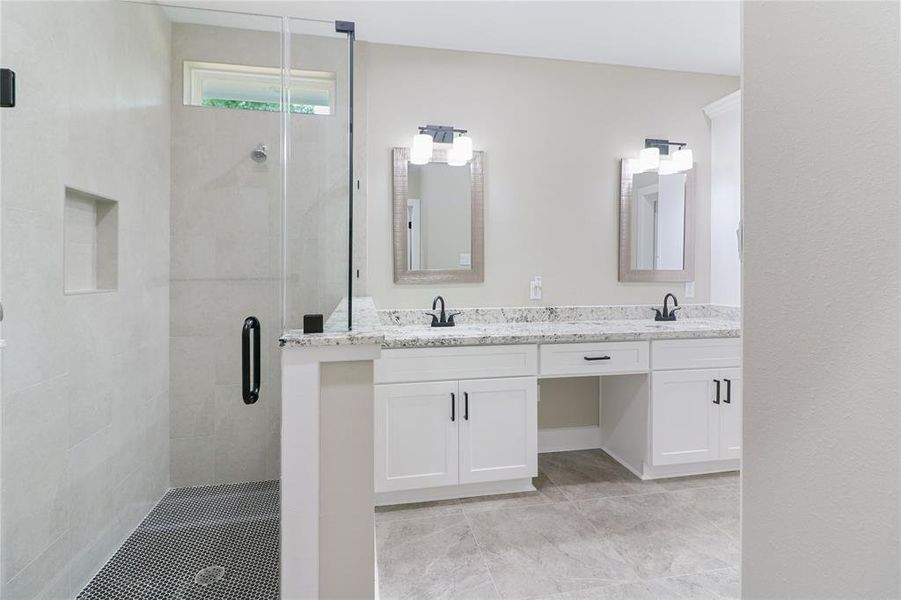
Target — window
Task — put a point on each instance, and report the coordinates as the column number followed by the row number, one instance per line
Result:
column 257, row 88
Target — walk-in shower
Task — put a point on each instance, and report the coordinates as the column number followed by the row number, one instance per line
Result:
column 194, row 170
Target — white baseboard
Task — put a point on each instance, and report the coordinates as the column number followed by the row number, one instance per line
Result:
column 563, row 439
column 700, row 468
column 449, row 492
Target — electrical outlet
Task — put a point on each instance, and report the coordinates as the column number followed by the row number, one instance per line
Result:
column 535, row 288
column 689, row 289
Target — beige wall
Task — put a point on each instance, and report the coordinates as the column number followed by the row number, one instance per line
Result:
column 569, row 402
column 821, row 501
column 553, row 133
column 85, row 378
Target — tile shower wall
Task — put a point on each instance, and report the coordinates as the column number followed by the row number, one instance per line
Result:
column 85, row 403
column 226, row 247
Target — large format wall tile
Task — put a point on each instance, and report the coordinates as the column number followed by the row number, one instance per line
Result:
column 85, row 377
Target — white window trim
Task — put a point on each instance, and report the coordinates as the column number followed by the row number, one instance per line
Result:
column 195, row 72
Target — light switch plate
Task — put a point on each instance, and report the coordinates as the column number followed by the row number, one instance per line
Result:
column 689, row 289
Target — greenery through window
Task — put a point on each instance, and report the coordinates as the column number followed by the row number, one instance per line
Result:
column 305, row 109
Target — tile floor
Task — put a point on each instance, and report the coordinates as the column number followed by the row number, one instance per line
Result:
column 233, row 528
column 591, row 530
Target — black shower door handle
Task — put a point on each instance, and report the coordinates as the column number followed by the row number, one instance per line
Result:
column 250, row 383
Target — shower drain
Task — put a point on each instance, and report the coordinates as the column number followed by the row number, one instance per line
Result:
column 209, row 575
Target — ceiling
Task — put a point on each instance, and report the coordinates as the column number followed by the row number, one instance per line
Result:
column 682, row 35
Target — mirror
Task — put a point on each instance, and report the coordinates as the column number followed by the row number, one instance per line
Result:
column 438, row 226
column 656, row 239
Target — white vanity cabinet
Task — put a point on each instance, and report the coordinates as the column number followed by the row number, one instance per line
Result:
column 499, row 429
column 695, row 413
column 452, row 422
column 446, row 433
column 416, row 436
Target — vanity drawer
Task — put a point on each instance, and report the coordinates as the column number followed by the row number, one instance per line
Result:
column 696, row 354
column 594, row 359
column 460, row 362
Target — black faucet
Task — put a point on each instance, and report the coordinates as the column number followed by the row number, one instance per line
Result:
column 667, row 314
column 441, row 320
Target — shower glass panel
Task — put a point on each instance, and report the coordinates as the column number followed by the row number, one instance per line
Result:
column 316, row 217
column 225, row 243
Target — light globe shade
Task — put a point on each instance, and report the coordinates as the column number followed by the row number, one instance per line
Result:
column 421, row 151
column 649, row 159
column 455, row 158
column 683, row 159
column 463, row 147
column 667, row 167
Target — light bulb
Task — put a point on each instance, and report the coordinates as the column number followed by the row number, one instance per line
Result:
column 463, row 147
column 421, row 151
column 683, row 159
column 455, row 158
column 667, row 167
column 649, row 159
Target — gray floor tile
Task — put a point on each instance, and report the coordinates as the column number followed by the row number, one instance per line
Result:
column 700, row 481
column 540, row 550
column 417, row 510
column 660, row 536
column 592, row 474
column 713, row 585
column 638, row 590
column 435, row 557
column 545, row 493
column 720, row 505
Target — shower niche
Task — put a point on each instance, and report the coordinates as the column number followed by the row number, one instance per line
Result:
column 91, row 243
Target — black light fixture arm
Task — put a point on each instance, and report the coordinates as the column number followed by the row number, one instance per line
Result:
column 663, row 145
column 441, row 134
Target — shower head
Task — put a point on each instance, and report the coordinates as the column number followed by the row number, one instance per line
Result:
column 259, row 154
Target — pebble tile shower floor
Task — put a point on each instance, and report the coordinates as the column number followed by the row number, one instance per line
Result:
column 233, row 526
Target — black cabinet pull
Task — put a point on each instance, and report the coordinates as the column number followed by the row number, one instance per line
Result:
column 717, row 382
column 728, row 399
column 453, row 407
column 250, row 382
column 596, row 358
column 466, row 405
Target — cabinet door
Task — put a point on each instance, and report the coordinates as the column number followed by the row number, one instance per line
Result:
column 416, row 443
column 684, row 416
column 730, row 414
column 498, row 429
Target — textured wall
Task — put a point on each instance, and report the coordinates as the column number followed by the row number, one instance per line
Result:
column 822, row 281
column 553, row 133
column 85, row 378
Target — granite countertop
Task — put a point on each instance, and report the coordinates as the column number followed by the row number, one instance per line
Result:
column 367, row 328
column 409, row 328
column 612, row 330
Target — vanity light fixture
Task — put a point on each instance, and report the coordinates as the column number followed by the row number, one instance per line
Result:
column 421, row 151
column 650, row 159
column 459, row 154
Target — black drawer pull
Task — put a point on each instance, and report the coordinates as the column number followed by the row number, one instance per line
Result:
column 250, row 390
column 728, row 399
column 453, row 407
column 597, row 358
column 466, row 405
column 717, row 382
